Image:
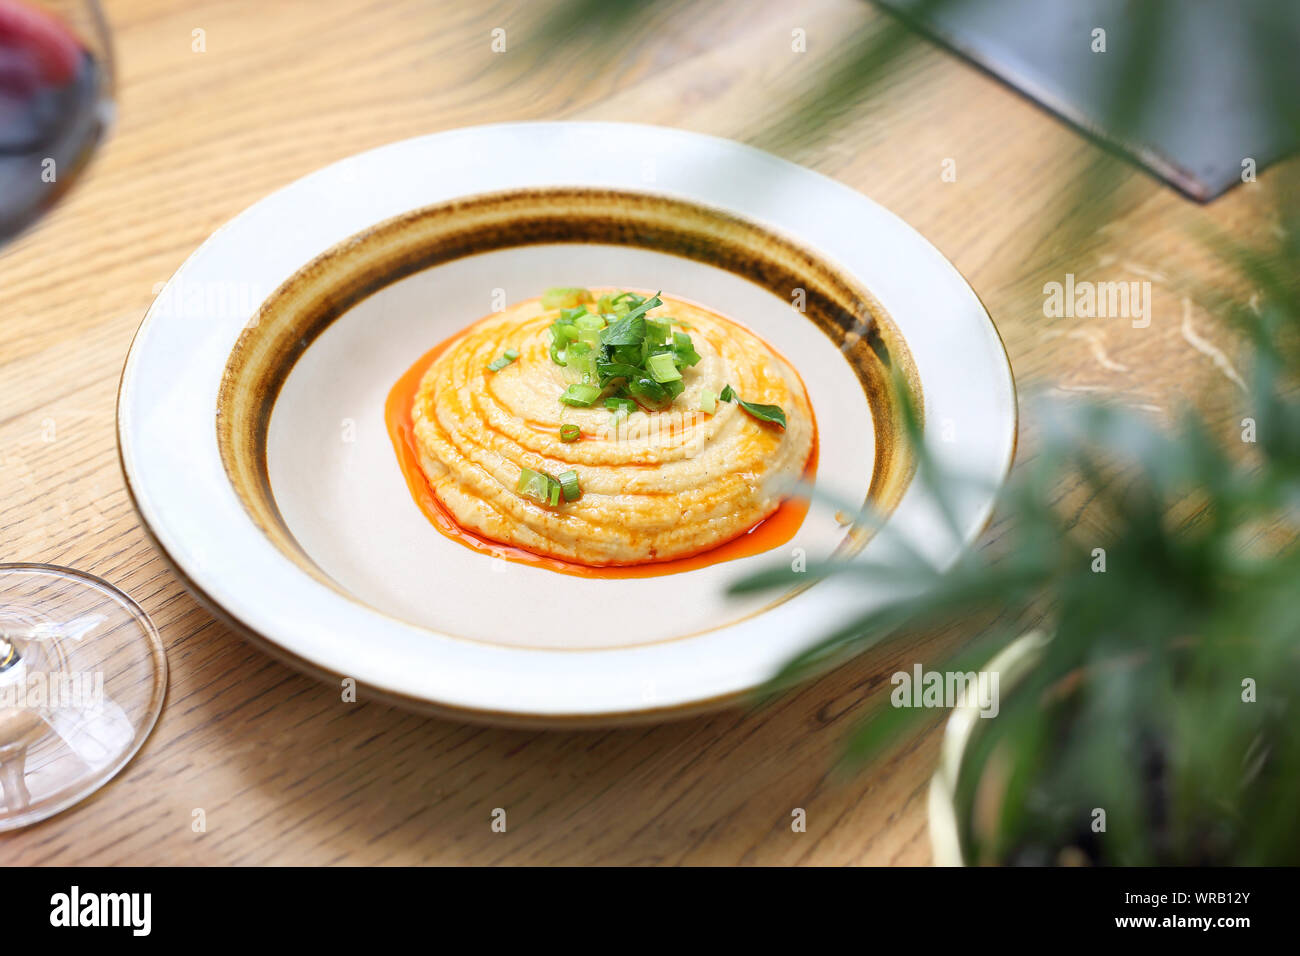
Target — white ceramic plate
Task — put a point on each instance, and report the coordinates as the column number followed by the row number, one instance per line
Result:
column 287, row 513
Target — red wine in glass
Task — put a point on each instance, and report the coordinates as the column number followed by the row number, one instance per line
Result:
column 55, row 104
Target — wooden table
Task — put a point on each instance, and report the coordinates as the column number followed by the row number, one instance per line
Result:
column 281, row 771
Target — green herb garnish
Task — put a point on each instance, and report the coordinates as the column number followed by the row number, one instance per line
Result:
column 684, row 349
column 580, row 395
column 569, row 485
column 662, row 367
column 635, row 358
column 658, row 331
column 629, row 330
column 580, row 358
column 564, row 297
column 764, row 413
column 647, row 391
column 570, row 433
column 537, row 486
column 563, row 334
column 547, row 489
column 620, row 405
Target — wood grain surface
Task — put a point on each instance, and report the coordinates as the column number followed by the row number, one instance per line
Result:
column 286, row 774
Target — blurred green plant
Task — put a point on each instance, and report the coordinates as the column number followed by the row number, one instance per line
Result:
column 1168, row 689
column 1170, row 685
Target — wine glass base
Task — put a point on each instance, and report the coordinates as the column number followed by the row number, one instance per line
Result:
column 80, row 694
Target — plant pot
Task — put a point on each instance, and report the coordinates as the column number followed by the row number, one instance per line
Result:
column 1012, row 664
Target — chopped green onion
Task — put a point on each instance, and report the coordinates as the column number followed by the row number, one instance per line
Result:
column 663, row 368
column 619, row 303
column 581, row 360
column 569, row 485
column 620, row 405
column 708, row 401
column 570, row 433
column 497, row 364
column 614, row 346
column 580, row 394
column 547, row 490
column 646, row 390
column 658, row 331
column 562, row 335
column 684, row 349
column 534, row 484
column 588, row 328
column 564, row 297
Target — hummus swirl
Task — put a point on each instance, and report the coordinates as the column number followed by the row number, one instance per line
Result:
column 654, row 485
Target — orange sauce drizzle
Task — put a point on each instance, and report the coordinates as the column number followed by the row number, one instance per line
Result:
column 772, row 532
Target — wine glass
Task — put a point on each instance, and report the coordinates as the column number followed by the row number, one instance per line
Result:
column 82, row 668
column 56, row 102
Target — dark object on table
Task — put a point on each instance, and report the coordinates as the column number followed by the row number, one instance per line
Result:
column 1197, row 91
